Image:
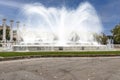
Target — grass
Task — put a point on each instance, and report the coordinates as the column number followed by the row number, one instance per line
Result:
column 60, row 54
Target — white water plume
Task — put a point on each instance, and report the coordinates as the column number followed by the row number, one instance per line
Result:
column 61, row 25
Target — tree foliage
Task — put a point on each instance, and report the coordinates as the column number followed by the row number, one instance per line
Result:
column 101, row 38
column 104, row 39
column 7, row 34
column 116, row 34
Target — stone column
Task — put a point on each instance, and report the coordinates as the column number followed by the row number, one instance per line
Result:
column 4, row 30
column 11, row 30
column 18, row 34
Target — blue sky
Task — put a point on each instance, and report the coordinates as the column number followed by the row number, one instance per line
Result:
column 108, row 10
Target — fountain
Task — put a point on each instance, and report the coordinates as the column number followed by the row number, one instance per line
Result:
column 54, row 29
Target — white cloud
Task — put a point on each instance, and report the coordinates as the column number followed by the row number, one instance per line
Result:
column 11, row 3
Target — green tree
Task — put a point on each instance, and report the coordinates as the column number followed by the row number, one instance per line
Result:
column 1, row 32
column 7, row 34
column 104, row 39
column 116, row 34
column 101, row 38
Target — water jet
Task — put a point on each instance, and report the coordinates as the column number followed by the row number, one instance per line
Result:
column 52, row 29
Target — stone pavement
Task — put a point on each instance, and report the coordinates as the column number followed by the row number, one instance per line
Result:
column 73, row 68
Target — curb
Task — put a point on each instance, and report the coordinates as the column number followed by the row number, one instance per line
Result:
column 47, row 56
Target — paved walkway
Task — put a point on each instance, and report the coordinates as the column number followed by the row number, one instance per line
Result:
column 76, row 68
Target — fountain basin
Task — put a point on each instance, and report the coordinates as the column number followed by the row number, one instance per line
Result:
column 59, row 48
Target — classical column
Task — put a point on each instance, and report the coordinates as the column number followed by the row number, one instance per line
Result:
column 4, row 30
column 18, row 34
column 11, row 30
